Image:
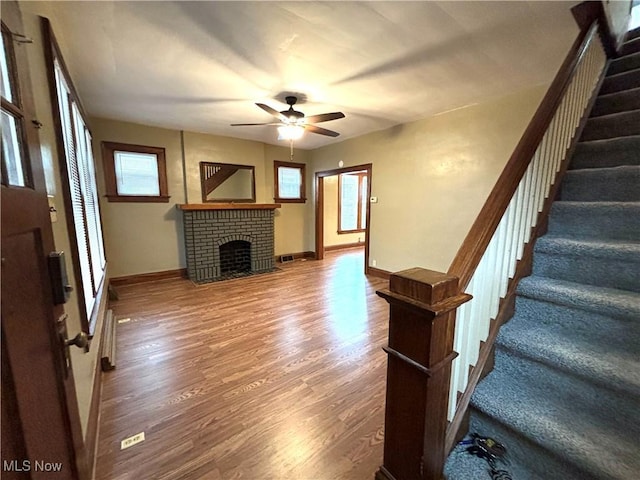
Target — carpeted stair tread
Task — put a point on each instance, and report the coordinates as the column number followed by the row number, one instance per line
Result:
column 594, row 429
column 592, row 185
column 614, row 125
column 617, row 102
column 623, row 64
column 598, row 220
column 631, row 46
column 621, row 81
column 610, row 302
column 610, row 264
column 607, row 153
column 594, row 348
column 525, row 459
column 612, row 249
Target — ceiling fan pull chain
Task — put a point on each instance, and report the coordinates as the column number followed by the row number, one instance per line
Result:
column 291, row 145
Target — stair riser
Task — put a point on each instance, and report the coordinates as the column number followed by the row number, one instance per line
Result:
column 612, row 153
column 595, row 222
column 635, row 33
column 612, row 126
column 624, row 64
column 542, row 377
column 598, row 185
column 570, row 318
column 620, row 82
column 565, row 337
column 630, row 47
column 611, row 303
column 588, row 270
column 524, row 455
column 616, row 103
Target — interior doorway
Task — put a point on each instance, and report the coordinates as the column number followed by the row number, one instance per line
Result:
column 359, row 220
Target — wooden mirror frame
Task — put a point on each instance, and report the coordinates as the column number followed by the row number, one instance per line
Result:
column 208, row 182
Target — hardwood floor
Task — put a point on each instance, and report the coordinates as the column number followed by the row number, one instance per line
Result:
column 275, row 376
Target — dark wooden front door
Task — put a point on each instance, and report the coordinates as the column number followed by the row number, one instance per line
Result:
column 41, row 436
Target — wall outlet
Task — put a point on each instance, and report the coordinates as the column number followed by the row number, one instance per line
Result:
column 373, row 263
column 131, row 441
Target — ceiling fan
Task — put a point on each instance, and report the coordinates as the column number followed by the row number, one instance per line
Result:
column 292, row 123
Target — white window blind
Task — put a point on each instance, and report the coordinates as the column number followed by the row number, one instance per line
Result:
column 136, row 173
column 289, row 182
column 83, row 191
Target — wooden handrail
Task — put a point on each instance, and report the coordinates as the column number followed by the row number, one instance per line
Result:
column 474, row 245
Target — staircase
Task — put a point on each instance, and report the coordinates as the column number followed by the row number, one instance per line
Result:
column 564, row 393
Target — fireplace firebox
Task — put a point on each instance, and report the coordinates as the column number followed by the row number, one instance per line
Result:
column 235, row 257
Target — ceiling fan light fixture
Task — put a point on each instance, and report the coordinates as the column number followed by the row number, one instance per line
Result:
column 290, row 132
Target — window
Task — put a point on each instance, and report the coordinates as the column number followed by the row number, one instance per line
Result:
column 352, row 202
column 134, row 173
column 289, row 182
column 79, row 185
column 14, row 167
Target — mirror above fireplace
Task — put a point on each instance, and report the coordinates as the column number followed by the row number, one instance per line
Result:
column 226, row 182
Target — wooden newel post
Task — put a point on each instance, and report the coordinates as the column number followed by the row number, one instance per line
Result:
column 420, row 351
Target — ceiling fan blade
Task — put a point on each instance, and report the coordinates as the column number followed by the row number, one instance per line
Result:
column 321, row 131
column 252, row 124
column 272, row 111
column 324, row 117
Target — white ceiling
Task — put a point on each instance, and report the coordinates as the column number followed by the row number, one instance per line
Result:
column 200, row 66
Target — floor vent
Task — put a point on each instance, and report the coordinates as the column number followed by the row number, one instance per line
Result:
column 286, row 258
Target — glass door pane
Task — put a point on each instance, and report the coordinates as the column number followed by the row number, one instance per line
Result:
column 12, row 151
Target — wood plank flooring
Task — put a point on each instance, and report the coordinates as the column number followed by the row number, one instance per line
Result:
column 275, row 376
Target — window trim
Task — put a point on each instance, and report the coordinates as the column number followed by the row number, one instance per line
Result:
column 276, row 187
column 360, row 176
column 88, row 316
column 108, row 159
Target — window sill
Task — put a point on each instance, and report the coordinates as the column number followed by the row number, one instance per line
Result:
column 344, row 232
column 290, row 200
column 138, row 199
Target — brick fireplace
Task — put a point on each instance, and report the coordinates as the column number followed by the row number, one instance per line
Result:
column 228, row 240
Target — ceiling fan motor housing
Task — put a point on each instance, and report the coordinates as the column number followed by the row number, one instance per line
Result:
column 291, row 101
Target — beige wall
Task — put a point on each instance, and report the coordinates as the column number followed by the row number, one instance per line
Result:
column 292, row 219
column 432, row 176
column 142, row 237
column 148, row 237
column 84, row 364
column 330, row 231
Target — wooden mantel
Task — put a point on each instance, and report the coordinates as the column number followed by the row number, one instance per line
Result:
column 228, row 206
